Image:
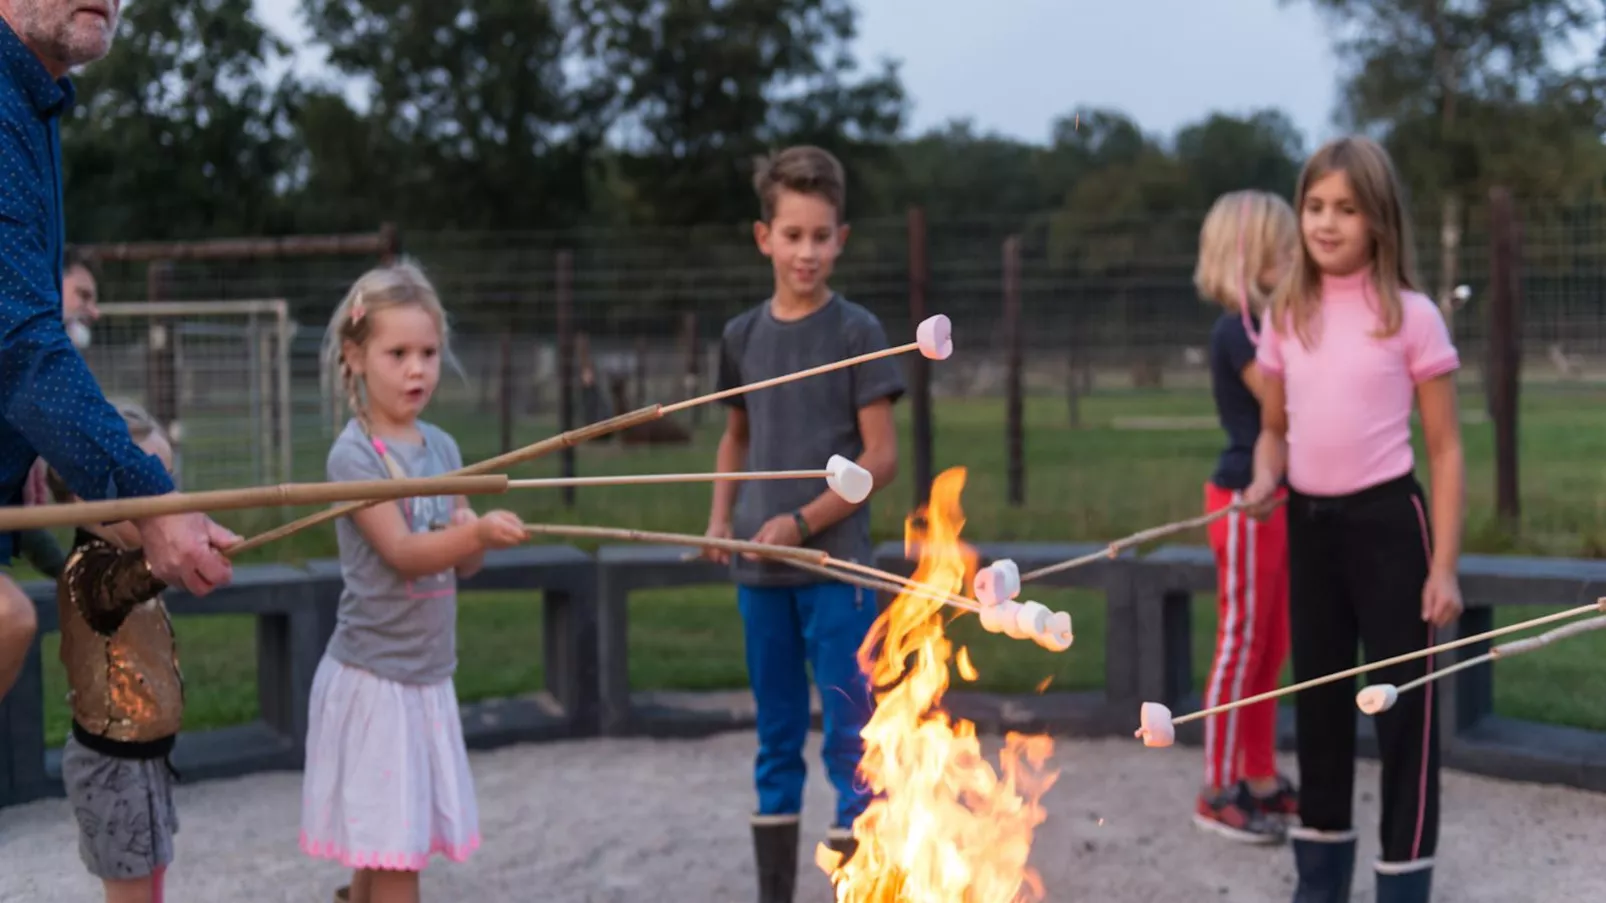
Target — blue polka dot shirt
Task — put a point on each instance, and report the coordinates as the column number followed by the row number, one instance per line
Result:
column 50, row 405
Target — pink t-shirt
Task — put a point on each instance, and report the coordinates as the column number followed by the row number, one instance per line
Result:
column 1350, row 395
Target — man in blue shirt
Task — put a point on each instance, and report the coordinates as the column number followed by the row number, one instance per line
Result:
column 50, row 405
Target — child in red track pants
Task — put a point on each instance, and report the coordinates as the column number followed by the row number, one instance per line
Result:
column 1247, row 240
column 1251, row 646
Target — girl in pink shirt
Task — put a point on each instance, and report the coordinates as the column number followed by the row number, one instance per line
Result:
column 1351, row 345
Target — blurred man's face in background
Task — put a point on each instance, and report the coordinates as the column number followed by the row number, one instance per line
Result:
column 78, row 304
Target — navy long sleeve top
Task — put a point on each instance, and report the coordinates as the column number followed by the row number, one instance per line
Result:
column 50, row 404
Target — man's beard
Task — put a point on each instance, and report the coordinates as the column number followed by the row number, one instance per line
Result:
column 78, row 331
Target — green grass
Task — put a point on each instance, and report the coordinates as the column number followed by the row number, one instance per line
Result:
column 1096, row 482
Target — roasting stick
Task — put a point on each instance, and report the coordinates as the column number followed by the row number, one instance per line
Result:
column 105, row 512
column 678, row 539
column 1157, row 723
column 735, row 476
column 844, row 477
column 1381, row 697
column 886, row 586
column 791, row 554
column 933, row 340
column 1136, row 539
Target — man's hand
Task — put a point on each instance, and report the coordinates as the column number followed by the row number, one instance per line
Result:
column 184, row 550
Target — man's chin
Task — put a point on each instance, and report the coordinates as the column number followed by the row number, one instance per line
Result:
column 87, row 43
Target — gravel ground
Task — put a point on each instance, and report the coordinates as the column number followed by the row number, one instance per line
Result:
column 649, row 820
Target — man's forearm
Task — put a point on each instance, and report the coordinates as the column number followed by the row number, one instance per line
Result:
column 89, row 445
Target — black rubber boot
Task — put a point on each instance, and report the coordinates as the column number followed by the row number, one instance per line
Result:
column 1326, row 865
column 841, row 840
column 775, row 852
column 1404, row 882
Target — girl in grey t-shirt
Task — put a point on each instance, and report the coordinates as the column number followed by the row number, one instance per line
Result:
column 387, row 783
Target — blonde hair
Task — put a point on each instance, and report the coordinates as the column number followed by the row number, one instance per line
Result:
column 386, row 287
column 1381, row 200
column 141, row 426
column 1243, row 233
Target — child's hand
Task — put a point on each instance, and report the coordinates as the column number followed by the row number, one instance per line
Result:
column 1260, row 498
column 1441, row 598
column 463, row 516
column 780, row 530
column 717, row 530
column 500, row 530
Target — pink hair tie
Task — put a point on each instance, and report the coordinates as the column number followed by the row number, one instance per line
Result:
column 357, row 311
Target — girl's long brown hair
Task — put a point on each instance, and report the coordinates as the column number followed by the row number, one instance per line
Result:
column 1378, row 194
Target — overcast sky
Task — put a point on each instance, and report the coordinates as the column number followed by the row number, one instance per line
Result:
column 1015, row 67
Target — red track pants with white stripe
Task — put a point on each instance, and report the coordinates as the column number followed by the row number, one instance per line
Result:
column 1251, row 639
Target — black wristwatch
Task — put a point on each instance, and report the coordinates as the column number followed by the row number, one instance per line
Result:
column 802, row 525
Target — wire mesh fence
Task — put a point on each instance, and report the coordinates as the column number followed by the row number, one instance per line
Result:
column 1119, row 431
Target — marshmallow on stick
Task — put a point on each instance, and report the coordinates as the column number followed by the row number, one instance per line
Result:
column 997, row 582
column 1158, row 728
column 933, row 339
column 1381, row 697
column 1029, row 620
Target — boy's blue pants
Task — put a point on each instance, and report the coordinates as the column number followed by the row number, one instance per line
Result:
column 786, row 628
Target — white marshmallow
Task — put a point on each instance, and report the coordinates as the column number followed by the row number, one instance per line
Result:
column 1009, row 617
column 1377, row 698
column 1157, row 729
column 996, row 582
column 935, row 337
column 1056, row 635
column 1032, row 620
column 995, row 617
column 847, row 479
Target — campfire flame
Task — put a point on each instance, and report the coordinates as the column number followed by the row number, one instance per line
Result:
column 945, row 827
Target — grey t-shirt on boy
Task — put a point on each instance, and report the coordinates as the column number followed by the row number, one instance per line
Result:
column 799, row 425
column 399, row 629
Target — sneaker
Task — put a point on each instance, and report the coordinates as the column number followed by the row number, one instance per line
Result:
column 1283, row 803
column 1233, row 814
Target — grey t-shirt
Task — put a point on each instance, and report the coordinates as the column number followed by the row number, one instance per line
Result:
column 399, row 629
column 799, row 425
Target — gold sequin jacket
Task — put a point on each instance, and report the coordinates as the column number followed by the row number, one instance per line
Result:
column 118, row 646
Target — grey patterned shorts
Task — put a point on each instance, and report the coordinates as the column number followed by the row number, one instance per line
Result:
column 125, row 812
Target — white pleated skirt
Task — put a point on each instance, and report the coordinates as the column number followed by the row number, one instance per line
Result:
column 386, row 784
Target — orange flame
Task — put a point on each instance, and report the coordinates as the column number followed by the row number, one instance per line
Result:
column 945, row 827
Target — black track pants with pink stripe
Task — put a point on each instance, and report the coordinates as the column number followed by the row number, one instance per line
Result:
column 1357, row 564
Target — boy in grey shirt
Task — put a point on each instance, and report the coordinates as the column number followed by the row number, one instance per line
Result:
column 792, row 620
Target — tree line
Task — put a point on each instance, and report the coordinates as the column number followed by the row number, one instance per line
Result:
column 521, row 115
